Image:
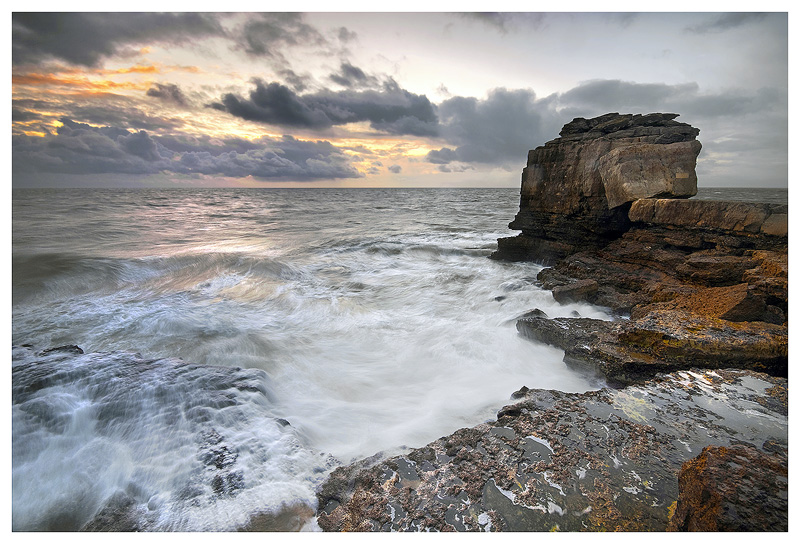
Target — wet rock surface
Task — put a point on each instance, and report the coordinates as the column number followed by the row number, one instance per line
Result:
column 695, row 296
column 599, row 461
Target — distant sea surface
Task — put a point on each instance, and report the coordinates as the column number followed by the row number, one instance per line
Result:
column 768, row 196
column 279, row 333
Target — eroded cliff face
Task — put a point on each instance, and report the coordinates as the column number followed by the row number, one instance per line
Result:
column 576, row 189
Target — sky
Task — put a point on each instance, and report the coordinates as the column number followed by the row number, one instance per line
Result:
column 354, row 99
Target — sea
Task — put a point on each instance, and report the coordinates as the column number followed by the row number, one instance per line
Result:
column 240, row 344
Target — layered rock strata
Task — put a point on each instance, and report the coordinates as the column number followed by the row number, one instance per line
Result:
column 703, row 283
column 605, row 460
column 576, row 189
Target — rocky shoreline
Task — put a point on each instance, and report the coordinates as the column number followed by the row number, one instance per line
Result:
column 681, row 441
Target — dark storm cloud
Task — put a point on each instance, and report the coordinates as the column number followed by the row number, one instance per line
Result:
column 395, row 168
column 168, row 92
column 389, row 109
column 275, row 104
column 725, row 21
column 267, row 34
column 79, row 148
column 86, row 38
column 353, row 77
column 495, row 130
column 442, row 156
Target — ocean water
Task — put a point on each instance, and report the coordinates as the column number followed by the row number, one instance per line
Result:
column 744, row 194
column 241, row 344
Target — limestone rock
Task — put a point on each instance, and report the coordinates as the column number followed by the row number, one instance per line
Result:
column 666, row 339
column 737, row 217
column 649, row 170
column 576, row 189
column 734, row 303
column 738, row 488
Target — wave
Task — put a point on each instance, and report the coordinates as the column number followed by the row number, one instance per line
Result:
column 152, row 444
column 52, row 275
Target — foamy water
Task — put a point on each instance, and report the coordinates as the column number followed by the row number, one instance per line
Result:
column 366, row 319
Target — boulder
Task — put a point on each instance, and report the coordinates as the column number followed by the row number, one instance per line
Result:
column 737, row 488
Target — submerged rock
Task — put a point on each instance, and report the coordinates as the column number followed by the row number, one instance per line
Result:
column 598, row 461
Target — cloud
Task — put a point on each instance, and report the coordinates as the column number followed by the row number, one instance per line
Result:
column 168, row 92
column 496, row 130
column 608, row 94
column 494, row 20
column 79, row 148
column 442, row 156
column 389, row 109
column 725, row 21
column 353, row 77
column 298, row 82
column 266, row 34
column 345, row 35
column 395, row 168
column 86, row 38
column 602, row 96
column 455, row 167
column 504, row 22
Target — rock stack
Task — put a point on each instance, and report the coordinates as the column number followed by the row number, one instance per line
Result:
column 577, row 189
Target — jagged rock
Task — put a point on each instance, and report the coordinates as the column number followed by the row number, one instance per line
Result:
column 563, row 332
column 576, row 189
column 734, row 303
column 686, row 339
column 738, row 488
column 599, row 461
column 626, row 352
